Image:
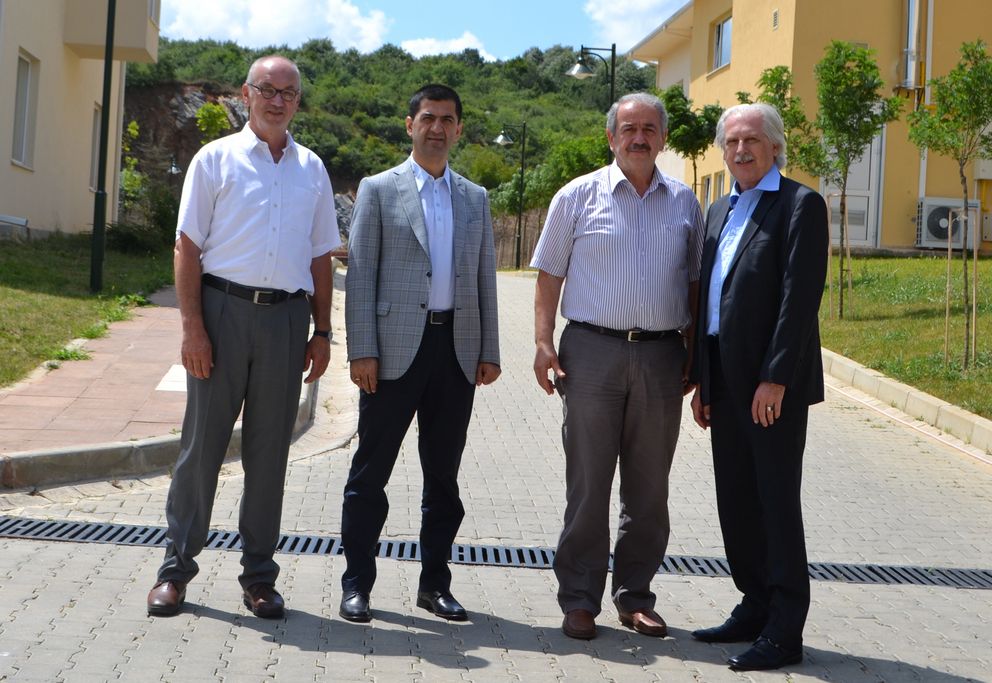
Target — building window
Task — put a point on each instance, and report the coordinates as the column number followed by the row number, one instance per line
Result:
column 25, row 110
column 705, row 192
column 721, row 43
column 95, row 148
column 154, row 9
column 718, row 180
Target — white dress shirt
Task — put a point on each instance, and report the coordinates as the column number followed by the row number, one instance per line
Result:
column 742, row 206
column 627, row 260
column 257, row 222
column 435, row 200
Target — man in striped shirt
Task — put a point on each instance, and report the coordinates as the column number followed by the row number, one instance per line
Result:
column 625, row 242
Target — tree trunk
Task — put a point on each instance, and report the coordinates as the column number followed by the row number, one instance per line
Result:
column 964, row 262
column 843, row 241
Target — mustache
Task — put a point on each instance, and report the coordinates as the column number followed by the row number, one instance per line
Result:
column 742, row 158
column 639, row 147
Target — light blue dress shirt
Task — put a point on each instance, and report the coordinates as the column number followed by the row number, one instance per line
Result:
column 741, row 207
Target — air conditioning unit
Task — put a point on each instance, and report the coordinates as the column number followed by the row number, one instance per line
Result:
column 934, row 218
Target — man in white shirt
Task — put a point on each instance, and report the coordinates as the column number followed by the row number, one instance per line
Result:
column 252, row 261
column 422, row 334
column 625, row 242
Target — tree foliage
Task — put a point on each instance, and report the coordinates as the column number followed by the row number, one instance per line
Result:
column 690, row 132
column 957, row 126
column 354, row 104
column 852, row 112
column 211, row 120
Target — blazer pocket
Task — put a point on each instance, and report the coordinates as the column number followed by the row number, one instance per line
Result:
column 382, row 308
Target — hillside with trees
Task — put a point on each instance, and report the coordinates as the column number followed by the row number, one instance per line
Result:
column 353, row 108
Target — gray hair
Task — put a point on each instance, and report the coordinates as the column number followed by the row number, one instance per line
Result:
column 771, row 123
column 639, row 98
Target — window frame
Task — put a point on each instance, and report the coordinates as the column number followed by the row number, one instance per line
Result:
column 25, row 110
column 722, row 35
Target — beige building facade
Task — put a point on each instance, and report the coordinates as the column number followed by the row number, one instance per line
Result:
column 896, row 198
column 51, row 69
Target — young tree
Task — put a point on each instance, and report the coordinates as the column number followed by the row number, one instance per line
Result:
column 690, row 132
column 852, row 112
column 212, row 121
column 957, row 126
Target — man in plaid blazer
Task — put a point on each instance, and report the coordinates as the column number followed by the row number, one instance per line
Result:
column 422, row 334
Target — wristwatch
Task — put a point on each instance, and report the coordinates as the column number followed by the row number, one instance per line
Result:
column 326, row 334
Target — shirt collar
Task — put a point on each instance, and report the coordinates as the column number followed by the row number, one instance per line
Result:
column 769, row 183
column 422, row 176
column 615, row 176
column 250, row 141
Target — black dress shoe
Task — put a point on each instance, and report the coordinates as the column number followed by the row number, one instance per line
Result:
column 763, row 655
column 355, row 607
column 441, row 603
column 733, row 630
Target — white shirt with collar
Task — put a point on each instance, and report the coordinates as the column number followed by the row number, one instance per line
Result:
column 742, row 206
column 435, row 200
column 257, row 222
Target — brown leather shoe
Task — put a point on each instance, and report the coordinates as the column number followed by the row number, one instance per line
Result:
column 166, row 598
column 579, row 623
column 264, row 601
column 645, row 621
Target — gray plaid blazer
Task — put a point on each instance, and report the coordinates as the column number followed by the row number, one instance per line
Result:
column 387, row 285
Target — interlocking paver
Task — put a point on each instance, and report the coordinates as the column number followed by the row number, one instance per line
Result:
column 876, row 490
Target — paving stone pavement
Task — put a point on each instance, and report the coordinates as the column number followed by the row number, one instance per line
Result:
column 875, row 491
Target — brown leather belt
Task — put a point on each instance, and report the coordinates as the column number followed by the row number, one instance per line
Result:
column 262, row 297
column 629, row 335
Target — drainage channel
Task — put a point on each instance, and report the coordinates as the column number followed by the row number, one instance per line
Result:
column 461, row 553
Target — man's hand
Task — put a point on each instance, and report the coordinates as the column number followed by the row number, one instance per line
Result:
column 196, row 352
column 486, row 373
column 700, row 413
column 767, row 404
column 317, row 357
column 544, row 360
column 365, row 373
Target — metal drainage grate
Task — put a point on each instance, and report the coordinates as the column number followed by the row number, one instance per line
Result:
column 500, row 556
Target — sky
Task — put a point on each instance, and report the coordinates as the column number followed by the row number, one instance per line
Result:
column 497, row 30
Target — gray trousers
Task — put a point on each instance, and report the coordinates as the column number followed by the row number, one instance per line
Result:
column 622, row 401
column 258, row 362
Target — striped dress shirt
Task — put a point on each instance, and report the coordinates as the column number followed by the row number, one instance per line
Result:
column 627, row 260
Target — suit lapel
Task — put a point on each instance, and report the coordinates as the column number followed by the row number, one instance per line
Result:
column 406, row 188
column 768, row 199
column 459, row 214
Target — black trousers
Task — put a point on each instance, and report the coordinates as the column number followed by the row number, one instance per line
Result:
column 435, row 389
column 758, row 474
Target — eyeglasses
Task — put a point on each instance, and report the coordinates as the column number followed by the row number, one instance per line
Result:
column 268, row 92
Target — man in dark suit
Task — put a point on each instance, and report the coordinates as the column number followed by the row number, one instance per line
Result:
column 420, row 314
column 758, row 369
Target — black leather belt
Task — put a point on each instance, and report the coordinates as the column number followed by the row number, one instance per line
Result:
column 440, row 317
column 262, row 297
column 629, row 335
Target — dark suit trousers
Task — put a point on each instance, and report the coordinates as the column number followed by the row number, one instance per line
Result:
column 758, row 473
column 435, row 389
column 258, row 363
column 622, row 403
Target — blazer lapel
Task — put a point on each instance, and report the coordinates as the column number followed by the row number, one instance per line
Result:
column 757, row 216
column 459, row 214
column 406, row 188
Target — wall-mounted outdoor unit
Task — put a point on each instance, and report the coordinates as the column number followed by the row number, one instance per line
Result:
column 934, row 219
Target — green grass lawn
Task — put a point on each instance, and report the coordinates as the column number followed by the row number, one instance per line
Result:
column 45, row 299
column 897, row 326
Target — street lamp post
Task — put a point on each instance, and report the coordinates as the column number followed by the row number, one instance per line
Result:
column 582, row 71
column 505, row 140
column 100, row 198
